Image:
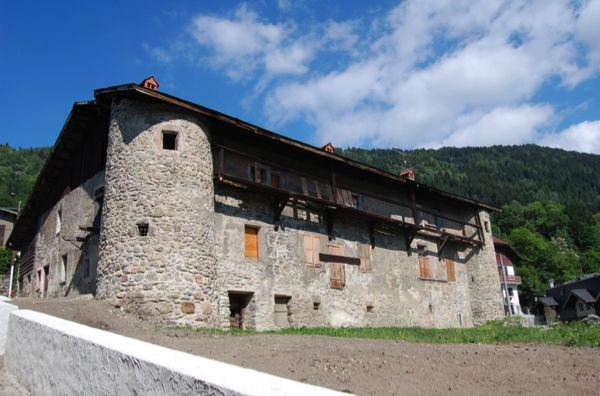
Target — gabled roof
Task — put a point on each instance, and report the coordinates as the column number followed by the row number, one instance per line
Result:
column 581, row 294
column 506, row 245
column 548, row 301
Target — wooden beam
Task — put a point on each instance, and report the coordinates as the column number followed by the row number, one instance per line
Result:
column 334, row 258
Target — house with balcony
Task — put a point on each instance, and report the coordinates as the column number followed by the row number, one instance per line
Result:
column 506, row 259
column 185, row 215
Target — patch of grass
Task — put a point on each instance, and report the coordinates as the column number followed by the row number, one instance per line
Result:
column 576, row 334
column 497, row 332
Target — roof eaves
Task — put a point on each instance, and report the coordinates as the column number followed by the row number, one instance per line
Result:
column 131, row 87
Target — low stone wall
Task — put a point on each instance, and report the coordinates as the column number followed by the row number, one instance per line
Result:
column 52, row 356
column 5, row 310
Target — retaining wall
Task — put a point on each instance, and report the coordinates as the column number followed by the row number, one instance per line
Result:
column 5, row 310
column 51, row 356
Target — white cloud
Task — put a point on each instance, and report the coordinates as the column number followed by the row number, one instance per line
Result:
column 243, row 44
column 445, row 72
column 584, row 137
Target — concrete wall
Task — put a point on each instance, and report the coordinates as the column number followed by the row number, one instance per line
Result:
column 170, row 273
column 51, row 356
column 71, row 262
column 5, row 310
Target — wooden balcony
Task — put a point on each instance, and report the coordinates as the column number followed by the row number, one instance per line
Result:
column 509, row 279
column 286, row 185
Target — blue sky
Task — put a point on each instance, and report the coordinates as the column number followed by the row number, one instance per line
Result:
column 371, row 74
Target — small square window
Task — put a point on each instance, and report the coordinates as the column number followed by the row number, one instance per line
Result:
column 170, row 141
column 316, row 306
column 369, row 308
column 143, row 229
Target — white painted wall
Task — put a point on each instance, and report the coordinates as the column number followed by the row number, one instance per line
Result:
column 52, row 356
column 5, row 310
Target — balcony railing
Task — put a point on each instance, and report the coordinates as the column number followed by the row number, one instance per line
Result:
column 247, row 171
column 509, row 279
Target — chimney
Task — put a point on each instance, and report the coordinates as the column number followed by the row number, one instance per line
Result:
column 408, row 173
column 328, row 147
column 551, row 282
column 150, row 83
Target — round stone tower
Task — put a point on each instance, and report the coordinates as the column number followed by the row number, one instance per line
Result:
column 484, row 280
column 157, row 256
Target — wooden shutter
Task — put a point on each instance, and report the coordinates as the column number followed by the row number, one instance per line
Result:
column 424, row 268
column 251, row 242
column 2, row 230
column 312, row 247
column 450, row 270
column 337, row 272
column 365, row 256
column 275, row 180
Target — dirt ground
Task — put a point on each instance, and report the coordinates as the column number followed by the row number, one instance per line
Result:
column 364, row 367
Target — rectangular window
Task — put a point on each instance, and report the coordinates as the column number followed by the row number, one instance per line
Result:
column 170, row 140
column 63, row 269
column 275, row 180
column 337, row 271
column 2, row 230
column 366, row 258
column 424, row 263
column 312, row 247
column 143, row 229
column 450, row 270
column 251, row 241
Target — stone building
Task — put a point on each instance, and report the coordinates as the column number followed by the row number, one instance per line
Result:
column 7, row 221
column 186, row 215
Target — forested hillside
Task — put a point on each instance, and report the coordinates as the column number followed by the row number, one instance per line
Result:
column 550, row 200
column 18, row 170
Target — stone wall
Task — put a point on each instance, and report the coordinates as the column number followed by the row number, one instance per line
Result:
column 68, row 253
column 393, row 290
column 169, row 273
column 484, row 280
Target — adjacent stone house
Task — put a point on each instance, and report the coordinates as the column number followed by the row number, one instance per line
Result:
column 7, row 221
column 186, row 215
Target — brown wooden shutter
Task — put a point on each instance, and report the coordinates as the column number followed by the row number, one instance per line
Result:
column 337, row 272
column 316, row 248
column 450, row 270
column 275, row 180
column 365, row 256
column 2, row 230
column 424, row 268
column 251, row 242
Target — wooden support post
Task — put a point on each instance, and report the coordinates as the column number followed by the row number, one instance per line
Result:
column 441, row 243
column 372, row 235
column 221, row 162
column 410, row 236
column 329, row 221
column 334, row 187
column 413, row 206
column 279, row 206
